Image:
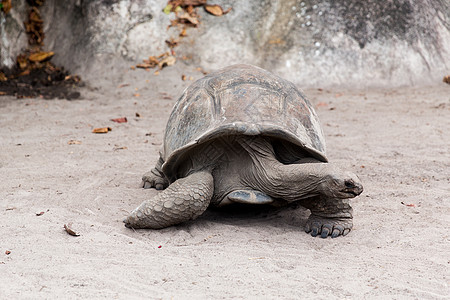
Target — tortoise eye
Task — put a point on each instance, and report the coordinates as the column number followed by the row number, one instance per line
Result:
column 349, row 184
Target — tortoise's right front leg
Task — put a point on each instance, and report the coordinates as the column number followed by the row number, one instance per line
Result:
column 155, row 177
column 184, row 200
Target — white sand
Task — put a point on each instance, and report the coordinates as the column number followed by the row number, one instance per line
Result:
column 396, row 140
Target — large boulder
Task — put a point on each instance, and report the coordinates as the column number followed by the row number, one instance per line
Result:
column 350, row 42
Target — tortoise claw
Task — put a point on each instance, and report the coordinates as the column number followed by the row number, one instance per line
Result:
column 325, row 227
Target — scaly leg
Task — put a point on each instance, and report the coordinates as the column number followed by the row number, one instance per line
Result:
column 184, row 200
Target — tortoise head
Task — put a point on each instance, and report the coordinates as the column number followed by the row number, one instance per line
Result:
column 341, row 184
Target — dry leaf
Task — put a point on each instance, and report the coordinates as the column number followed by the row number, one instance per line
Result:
column 183, row 32
column 138, row 115
column 172, row 43
column 69, row 230
column 22, row 61
column 41, row 56
column 102, row 130
column 446, row 79
column 183, row 77
column 120, row 120
column 168, row 61
column 40, row 213
column 276, row 41
column 7, row 252
column 189, row 18
column 216, row 10
column 6, row 6
column 120, row 148
column 2, row 93
column 3, row 77
column 74, row 142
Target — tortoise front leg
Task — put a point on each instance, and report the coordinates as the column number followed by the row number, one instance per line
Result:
column 328, row 216
column 184, row 200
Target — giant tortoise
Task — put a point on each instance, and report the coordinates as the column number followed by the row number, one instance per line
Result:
column 245, row 135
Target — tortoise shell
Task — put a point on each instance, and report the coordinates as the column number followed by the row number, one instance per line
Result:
column 240, row 100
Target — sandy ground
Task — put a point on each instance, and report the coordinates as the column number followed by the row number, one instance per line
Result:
column 396, row 140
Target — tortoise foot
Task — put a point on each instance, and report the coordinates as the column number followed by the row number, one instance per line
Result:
column 325, row 227
column 154, row 179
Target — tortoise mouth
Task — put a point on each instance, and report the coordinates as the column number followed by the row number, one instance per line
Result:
column 352, row 188
column 353, row 192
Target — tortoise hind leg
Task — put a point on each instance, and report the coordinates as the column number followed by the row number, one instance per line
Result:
column 329, row 217
column 155, row 178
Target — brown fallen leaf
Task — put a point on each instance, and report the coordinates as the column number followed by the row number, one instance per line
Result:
column 40, row 213
column 120, row 148
column 201, row 70
column 276, row 41
column 409, row 205
column 446, row 79
column 69, row 230
column 172, row 43
column 168, row 61
column 190, row 19
column 183, row 77
column 74, row 142
column 41, row 56
column 185, row 3
column 183, row 32
column 26, row 72
column 2, row 93
column 22, row 61
column 7, row 252
column 3, row 77
column 6, row 6
column 215, row 10
column 102, row 130
column 120, row 120
column 123, row 85
column 138, row 115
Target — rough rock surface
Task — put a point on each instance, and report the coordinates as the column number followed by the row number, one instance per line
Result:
column 309, row 42
column 13, row 38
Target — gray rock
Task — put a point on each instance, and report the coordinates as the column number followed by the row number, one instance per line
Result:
column 312, row 43
column 12, row 33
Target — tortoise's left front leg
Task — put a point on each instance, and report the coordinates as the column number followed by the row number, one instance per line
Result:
column 328, row 216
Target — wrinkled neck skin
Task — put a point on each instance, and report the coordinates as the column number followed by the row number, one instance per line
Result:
column 291, row 182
